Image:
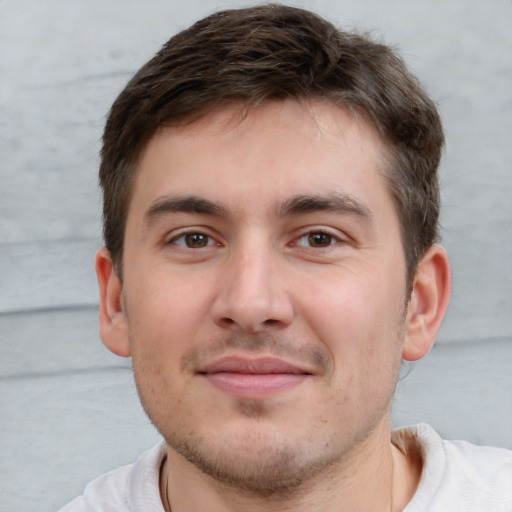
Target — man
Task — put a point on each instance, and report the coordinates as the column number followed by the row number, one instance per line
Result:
column 270, row 218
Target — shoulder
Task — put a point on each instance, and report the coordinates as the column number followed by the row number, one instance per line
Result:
column 459, row 476
column 125, row 489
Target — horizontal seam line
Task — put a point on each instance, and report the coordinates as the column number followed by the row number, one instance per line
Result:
column 49, row 309
column 63, row 373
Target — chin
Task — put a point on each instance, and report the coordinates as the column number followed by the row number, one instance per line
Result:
column 256, row 460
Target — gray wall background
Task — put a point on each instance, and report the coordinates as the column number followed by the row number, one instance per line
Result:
column 68, row 408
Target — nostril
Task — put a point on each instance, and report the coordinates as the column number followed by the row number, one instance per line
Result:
column 271, row 321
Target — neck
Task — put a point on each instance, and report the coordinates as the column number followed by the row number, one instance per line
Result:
column 376, row 476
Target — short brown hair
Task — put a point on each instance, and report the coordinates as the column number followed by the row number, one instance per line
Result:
column 275, row 52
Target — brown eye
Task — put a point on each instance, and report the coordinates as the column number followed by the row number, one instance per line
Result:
column 196, row 240
column 319, row 239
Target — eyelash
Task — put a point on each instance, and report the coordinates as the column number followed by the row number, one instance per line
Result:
column 331, row 239
column 210, row 241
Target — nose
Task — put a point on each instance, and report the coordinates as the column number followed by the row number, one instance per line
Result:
column 252, row 295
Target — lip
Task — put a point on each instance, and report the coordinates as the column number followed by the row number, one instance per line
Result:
column 253, row 377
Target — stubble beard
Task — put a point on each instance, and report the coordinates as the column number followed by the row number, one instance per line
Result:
column 258, row 461
column 255, row 462
column 261, row 460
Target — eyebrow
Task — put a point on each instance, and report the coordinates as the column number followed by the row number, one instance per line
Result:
column 337, row 202
column 183, row 204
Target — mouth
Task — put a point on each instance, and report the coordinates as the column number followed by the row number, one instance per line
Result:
column 253, row 377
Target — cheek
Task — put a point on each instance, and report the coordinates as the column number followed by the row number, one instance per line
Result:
column 167, row 308
column 359, row 319
column 162, row 324
column 354, row 303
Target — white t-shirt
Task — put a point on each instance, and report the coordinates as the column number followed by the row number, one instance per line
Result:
column 457, row 477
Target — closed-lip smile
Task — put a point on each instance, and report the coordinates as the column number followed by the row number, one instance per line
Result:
column 253, row 377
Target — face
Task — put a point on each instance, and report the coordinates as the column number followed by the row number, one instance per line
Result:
column 264, row 290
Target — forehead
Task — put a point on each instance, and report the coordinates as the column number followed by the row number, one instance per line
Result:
column 276, row 147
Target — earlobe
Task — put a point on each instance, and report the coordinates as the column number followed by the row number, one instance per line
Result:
column 113, row 326
column 428, row 303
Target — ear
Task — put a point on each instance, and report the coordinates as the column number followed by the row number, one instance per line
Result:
column 428, row 303
column 113, row 325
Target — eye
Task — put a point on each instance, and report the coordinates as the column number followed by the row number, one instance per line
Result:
column 193, row 240
column 317, row 239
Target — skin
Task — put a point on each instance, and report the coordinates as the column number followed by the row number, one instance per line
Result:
column 224, row 258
